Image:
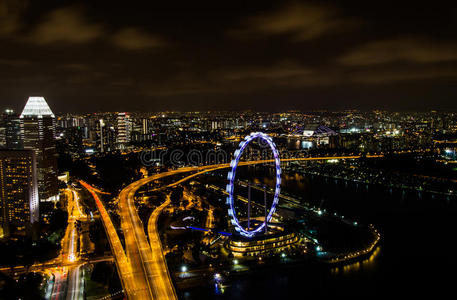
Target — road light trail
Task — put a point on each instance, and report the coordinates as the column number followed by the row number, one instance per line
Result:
column 68, row 242
column 60, row 282
column 149, row 258
column 158, row 260
column 122, row 263
column 68, row 254
column 134, row 248
column 145, row 260
column 138, row 249
column 74, row 288
column 78, row 213
column 153, row 265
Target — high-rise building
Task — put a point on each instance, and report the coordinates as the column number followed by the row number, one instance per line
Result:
column 144, row 126
column 2, row 136
column 38, row 134
column 10, row 130
column 124, row 129
column 19, row 204
column 107, row 138
column 102, row 141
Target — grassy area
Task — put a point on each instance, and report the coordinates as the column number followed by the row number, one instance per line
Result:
column 94, row 290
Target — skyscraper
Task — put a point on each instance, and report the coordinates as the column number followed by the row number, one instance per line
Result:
column 10, row 130
column 102, row 141
column 19, row 204
column 124, row 129
column 38, row 134
column 144, row 126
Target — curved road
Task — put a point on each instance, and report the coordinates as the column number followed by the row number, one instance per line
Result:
column 147, row 260
column 122, row 263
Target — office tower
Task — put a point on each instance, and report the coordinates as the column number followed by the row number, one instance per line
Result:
column 144, row 126
column 19, row 204
column 124, row 129
column 102, row 141
column 106, row 137
column 110, row 139
column 10, row 130
column 38, row 134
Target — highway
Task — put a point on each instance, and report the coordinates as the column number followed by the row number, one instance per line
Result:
column 52, row 264
column 74, row 278
column 75, row 289
column 147, row 260
column 67, row 277
column 69, row 241
column 60, row 283
column 142, row 267
column 158, row 259
column 122, row 263
column 150, row 268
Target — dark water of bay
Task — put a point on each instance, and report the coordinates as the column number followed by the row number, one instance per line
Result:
column 417, row 255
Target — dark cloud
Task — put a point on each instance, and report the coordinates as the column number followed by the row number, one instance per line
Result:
column 105, row 56
column 14, row 62
column 136, row 39
column 74, row 67
column 66, row 25
column 388, row 76
column 299, row 21
column 248, row 79
column 70, row 25
column 282, row 75
column 282, row 70
column 11, row 14
column 413, row 50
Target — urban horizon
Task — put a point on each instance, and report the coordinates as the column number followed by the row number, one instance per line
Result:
column 16, row 106
column 239, row 150
column 60, row 173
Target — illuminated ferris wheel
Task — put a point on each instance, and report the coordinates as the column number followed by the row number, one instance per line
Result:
column 248, row 231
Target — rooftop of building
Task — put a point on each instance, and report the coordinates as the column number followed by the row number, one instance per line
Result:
column 37, row 107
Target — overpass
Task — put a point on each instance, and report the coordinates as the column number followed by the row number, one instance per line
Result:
column 123, row 265
column 153, row 268
column 144, row 261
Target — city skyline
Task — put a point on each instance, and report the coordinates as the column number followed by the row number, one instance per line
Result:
column 12, row 109
column 174, row 205
column 227, row 150
column 213, row 56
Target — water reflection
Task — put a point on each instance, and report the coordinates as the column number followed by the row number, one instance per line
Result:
column 369, row 262
column 404, row 218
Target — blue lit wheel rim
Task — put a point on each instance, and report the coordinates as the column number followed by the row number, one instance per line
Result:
column 231, row 178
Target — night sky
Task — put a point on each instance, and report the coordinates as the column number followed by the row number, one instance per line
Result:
column 87, row 56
